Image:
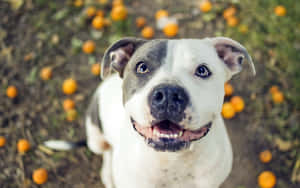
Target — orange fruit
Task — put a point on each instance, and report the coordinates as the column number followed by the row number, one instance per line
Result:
column 147, row 32
column 228, row 89
column 140, row 22
column 118, row 13
column 100, row 13
column 96, row 69
column 40, row 176
column 69, row 86
column 243, row 28
column 98, row 22
column 232, row 21
column 265, row 156
column 266, row 179
column 11, row 92
column 277, row 97
column 161, row 13
column 229, row 12
column 228, row 111
column 71, row 115
column 237, row 103
column 171, row 29
column 78, row 3
column 2, row 141
column 273, row 89
column 205, row 6
column 46, row 73
column 91, row 11
column 117, row 3
column 68, row 104
column 280, row 10
column 29, row 56
column 23, row 145
column 89, row 47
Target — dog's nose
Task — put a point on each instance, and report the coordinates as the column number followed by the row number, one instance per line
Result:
column 168, row 102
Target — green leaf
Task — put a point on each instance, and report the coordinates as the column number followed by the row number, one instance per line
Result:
column 61, row 14
column 15, row 4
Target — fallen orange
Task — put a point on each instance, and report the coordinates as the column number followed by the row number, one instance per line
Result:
column 161, row 13
column 46, row 73
column 265, row 156
column 88, row 47
column 140, row 22
column 280, row 10
column 68, row 104
column 2, row 141
column 205, row 6
column 69, row 86
column 40, row 176
column 147, row 32
column 11, row 91
column 267, row 179
column 23, row 145
column 118, row 13
column 228, row 111
column 171, row 29
column 237, row 103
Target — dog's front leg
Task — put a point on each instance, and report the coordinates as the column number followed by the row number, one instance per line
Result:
column 106, row 171
column 95, row 138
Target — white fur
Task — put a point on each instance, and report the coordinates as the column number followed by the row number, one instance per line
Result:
column 132, row 163
column 59, row 144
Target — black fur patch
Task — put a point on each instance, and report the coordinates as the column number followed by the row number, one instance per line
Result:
column 153, row 54
column 168, row 144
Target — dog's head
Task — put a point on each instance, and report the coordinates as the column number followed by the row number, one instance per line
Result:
column 173, row 89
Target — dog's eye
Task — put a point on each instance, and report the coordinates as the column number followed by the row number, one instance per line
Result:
column 142, row 68
column 202, row 71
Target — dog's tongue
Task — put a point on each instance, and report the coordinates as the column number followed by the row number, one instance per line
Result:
column 167, row 127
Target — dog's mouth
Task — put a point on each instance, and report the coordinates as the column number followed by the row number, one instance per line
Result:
column 168, row 136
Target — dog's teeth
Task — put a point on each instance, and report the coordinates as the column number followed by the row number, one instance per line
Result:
column 180, row 133
column 155, row 133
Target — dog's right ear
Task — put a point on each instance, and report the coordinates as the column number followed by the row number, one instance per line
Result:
column 118, row 54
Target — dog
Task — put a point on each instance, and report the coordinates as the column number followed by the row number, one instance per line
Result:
column 156, row 118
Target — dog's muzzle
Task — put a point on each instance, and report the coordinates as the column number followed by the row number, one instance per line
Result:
column 168, row 101
column 168, row 136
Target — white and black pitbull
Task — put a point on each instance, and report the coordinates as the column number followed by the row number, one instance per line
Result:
column 162, row 114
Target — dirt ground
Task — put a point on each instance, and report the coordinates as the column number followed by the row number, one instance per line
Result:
column 28, row 42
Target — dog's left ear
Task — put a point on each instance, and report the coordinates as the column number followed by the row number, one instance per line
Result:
column 118, row 54
column 232, row 54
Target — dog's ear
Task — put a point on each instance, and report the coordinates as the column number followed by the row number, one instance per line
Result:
column 118, row 54
column 232, row 54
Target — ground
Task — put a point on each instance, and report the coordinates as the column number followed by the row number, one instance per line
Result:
column 43, row 33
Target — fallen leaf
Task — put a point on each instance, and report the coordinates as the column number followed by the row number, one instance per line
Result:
column 283, row 145
column 15, row 4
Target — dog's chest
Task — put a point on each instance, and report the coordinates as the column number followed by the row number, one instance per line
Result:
column 174, row 173
column 164, row 172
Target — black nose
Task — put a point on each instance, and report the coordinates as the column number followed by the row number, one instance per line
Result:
column 168, row 102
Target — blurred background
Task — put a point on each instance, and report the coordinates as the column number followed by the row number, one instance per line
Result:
column 50, row 53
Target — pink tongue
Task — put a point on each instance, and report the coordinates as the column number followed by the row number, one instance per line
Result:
column 188, row 135
column 167, row 129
